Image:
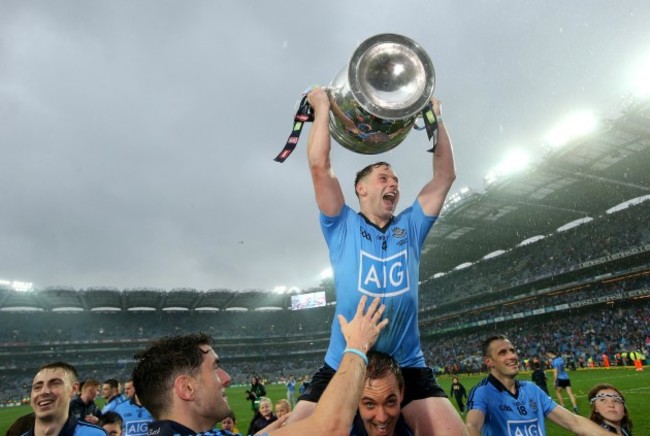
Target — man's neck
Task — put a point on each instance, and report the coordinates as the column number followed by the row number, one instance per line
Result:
column 187, row 421
column 46, row 427
column 507, row 381
column 375, row 220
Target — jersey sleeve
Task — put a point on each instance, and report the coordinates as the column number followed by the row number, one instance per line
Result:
column 477, row 399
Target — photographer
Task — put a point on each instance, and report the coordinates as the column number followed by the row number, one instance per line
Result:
column 256, row 392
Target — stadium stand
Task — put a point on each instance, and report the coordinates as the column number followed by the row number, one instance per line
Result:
column 561, row 253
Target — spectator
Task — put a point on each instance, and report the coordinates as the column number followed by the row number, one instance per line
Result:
column 112, row 423
column 256, row 392
column 263, row 417
column 229, row 423
column 539, row 376
column 459, row 393
column 608, row 409
column 282, row 407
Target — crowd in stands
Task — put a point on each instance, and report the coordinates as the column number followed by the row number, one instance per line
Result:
column 552, row 256
column 576, row 334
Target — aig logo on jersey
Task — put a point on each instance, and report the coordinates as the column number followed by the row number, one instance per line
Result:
column 524, row 428
column 383, row 277
column 136, row 428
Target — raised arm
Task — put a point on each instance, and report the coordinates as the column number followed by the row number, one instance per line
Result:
column 338, row 405
column 575, row 423
column 433, row 195
column 329, row 195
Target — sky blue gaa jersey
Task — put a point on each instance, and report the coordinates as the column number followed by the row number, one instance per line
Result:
column 381, row 263
column 507, row 414
column 136, row 418
column 558, row 363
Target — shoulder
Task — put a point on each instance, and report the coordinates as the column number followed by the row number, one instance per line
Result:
column 481, row 384
column 84, row 428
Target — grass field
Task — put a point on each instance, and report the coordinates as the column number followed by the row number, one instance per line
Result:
column 634, row 385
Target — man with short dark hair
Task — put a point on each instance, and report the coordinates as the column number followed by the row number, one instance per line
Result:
column 129, row 390
column 135, row 416
column 111, row 394
column 53, row 388
column 502, row 405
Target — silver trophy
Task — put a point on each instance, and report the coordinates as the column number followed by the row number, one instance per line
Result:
column 377, row 98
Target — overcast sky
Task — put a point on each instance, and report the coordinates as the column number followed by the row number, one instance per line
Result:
column 137, row 137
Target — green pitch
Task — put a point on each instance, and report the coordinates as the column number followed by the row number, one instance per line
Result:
column 635, row 386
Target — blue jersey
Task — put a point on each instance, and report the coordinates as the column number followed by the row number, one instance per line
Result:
column 558, row 363
column 382, row 263
column 136, row 418
column 75, row 427
column 507, row 414
column 172, row 428
column 113, row 403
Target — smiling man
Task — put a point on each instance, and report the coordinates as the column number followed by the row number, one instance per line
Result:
column 180, row 381
column 379, row 408
column 53, row 388
column 502, row 405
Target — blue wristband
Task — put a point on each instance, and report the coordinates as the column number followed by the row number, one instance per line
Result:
column 358, row 353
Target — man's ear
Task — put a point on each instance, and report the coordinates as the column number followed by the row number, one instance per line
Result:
column 360, row 189
column 487, row 361
column 75, row 390
column 184, row 387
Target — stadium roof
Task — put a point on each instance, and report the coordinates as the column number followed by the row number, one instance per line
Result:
column 54, row 298
column 582, row 180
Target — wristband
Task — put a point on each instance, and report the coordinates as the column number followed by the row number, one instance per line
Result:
column 358, row 353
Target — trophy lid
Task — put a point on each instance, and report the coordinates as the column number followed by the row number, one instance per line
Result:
column 391, row 76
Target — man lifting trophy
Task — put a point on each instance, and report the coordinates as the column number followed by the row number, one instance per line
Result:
column 376, row 99
column 376, row 251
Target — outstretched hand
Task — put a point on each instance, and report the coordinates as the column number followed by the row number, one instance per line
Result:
column 363, row 330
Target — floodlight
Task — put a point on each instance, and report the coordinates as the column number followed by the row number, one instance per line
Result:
column 572, row 127
column 516, row 160
column 326, row 273
column 21, row 286
column 280, row 289
column 641, row 81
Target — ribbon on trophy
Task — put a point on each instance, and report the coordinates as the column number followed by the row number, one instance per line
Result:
column 430, row 124
column 303, row 115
